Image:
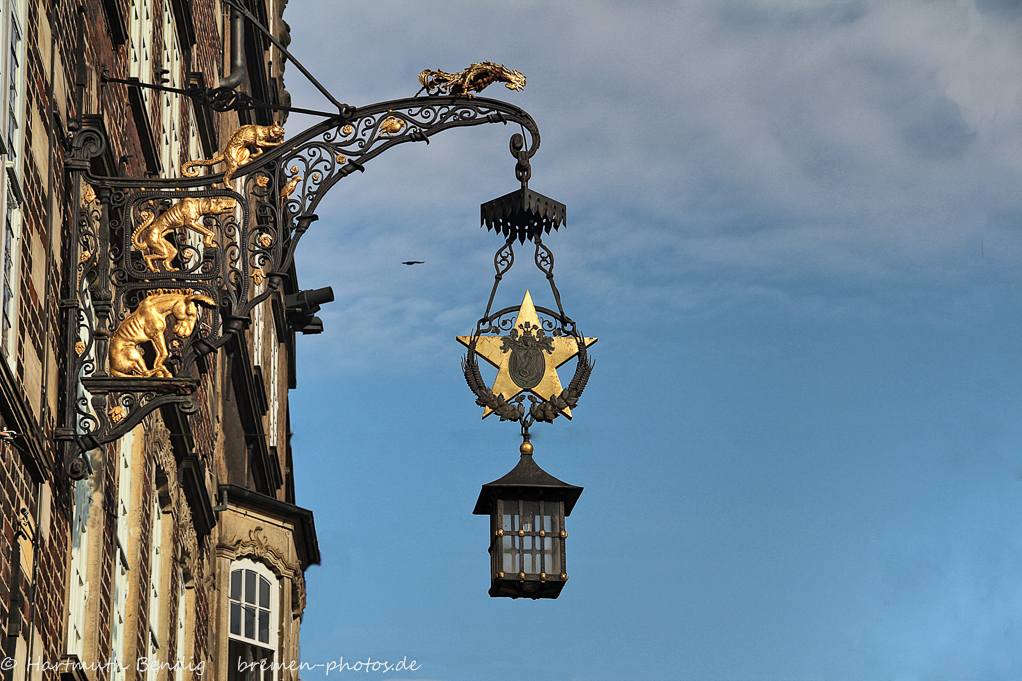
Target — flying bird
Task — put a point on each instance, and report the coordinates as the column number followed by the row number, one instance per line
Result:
column 412, row 262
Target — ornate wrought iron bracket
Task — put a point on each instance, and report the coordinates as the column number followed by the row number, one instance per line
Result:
column 168, row 269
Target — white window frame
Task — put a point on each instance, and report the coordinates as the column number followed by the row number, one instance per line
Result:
column 10, row 264
column 193, row 136
column 156, row 560
column 273, row 645
column 260, row 320
column 274, row 385
column 78, row 590
column 14, row 76
column 122, row 560
column 171, row 101
column 181, row 629
column 12, row 79
column 140, row 32
column 257, row 327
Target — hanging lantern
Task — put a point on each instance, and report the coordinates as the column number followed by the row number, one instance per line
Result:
column 527, row 508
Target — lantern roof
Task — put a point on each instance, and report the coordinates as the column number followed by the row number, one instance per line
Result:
column 525, row 480
column 522, row 214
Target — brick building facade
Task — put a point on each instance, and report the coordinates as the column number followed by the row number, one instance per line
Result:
column 183, row 547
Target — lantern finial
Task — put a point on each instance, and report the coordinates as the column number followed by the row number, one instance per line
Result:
column 526, row 448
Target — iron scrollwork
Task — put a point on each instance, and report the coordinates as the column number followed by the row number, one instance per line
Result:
column 169, row 268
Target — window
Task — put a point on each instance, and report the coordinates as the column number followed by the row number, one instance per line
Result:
column 172, row 64
column 12, row 78
column 274, row 382
column 79, row 587
column 15, row 79
column 121, row 558
column 261, row 338
column 155, row 589
column 253, row 622
column 257, row 327
column 12, row 228
column 195, row 240
column 193, row 136
column 140, row 31
column 180, row 630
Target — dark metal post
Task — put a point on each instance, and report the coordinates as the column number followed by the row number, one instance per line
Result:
column 238, row 71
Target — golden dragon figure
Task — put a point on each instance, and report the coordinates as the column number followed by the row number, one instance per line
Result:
column 245, row 143
column 188, row 212
column 475, row 78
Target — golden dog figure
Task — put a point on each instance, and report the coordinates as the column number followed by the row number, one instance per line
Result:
column 187, row 212
column 147, row 324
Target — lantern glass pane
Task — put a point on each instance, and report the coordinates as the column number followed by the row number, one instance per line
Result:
column 510, row 554
column 530, row 562
column 530, row 516
column 552, row 555
column 509, row 519
column 551, row 517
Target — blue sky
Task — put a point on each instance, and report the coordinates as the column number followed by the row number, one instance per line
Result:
column 794, row 227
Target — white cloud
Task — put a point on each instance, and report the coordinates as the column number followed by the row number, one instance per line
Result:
column 764, row 145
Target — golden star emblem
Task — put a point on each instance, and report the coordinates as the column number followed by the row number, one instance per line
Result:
column 539, row 373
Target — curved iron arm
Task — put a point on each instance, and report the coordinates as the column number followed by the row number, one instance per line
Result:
column 424, row 117
column 322, row 154
column 334, row 149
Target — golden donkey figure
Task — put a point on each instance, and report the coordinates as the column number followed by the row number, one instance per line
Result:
column 147, row 324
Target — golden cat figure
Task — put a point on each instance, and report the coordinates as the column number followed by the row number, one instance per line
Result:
column 187, row 212
column 245, row 143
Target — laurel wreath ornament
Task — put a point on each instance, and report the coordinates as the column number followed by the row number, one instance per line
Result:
column 542, row 410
